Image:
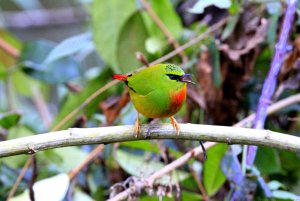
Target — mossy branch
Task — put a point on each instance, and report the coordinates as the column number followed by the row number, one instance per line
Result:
column 105, row 135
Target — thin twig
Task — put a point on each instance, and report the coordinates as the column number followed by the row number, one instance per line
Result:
column 33, row 178
column 18, row 181
column 166, row 169
column 164, row 29
column 205, row 197
column 73, row 173
column 140, row 56
column 42, row 108
column 14, row 52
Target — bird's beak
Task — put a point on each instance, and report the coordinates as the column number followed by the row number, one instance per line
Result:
column 186, row 78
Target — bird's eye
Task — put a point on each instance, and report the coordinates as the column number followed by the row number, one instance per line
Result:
column 174, row 77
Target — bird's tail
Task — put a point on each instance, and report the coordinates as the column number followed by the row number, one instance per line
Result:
column 120, row 77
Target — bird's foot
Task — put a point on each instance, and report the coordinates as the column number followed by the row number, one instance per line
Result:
column 175, row 125
column 137, row 127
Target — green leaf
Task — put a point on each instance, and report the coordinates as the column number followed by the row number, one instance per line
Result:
column 36, row 51
column 108, row 18
column 235, row 7
column 138, row 166
column 213, row 177
column 279, row 194
column 66, row 158
column 232, row 22
column 146, row 145
column 202, row 4
column 72, row 100
column 154, row 45
column 272, row 30
column 215, row 60
column 275, row 185
column 56, row 72
column 289, row 159
column 21, row 81
column 9, row 120
column 167, row 14
column 267, row 161
column 69, row 47
column 132, row 39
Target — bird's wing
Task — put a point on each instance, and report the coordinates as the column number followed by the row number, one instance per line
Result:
column 143, row 83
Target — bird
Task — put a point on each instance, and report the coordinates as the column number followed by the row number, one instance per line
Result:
column 157, row 91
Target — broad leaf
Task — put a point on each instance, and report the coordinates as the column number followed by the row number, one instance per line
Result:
column 213, row 177
column 72, row 101
column 9, row 120
column 167, row 14
column 267, row 161
column 285, row 195
column 136, row 165
column 215, row 60
column 69, row 47
column 56, row 72
column 108, row 18
column 132, row 39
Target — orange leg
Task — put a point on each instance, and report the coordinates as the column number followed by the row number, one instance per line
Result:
column 137, row 126
column 175, row 125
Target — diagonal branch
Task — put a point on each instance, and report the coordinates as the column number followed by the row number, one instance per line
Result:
column 149, row 181
column 141, row 184
column 164, row 29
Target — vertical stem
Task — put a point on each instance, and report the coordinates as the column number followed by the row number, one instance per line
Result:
column 42, row 107
column 9, row 93
column 270, row 82
column 164, row 29
column 244, row 159
column 22, row 173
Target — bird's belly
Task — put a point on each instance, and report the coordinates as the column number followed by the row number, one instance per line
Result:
column 159, row 104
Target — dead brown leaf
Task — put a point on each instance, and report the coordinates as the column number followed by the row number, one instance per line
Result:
column 246, row 45
column 113, row 106
column 289, row 77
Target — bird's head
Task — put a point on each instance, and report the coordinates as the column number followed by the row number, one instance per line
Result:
column 174, row 74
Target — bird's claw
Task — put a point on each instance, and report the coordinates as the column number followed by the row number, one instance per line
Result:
column 175, row 125
column 137, row 127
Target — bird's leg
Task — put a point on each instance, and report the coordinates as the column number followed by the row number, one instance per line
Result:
column 137, row 126
column 203, row 150
column 175, row 125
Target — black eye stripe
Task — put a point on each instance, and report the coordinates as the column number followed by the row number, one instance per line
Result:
column 174, row 77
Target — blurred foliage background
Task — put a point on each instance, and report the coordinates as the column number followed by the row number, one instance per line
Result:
column 55, row 54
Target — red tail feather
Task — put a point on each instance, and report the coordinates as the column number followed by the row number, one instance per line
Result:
column 120, row 77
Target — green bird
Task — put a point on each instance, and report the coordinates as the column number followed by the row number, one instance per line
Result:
column 158, row 91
